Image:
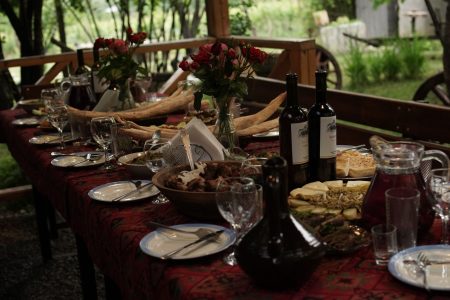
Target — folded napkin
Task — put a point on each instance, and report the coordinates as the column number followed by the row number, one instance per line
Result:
column 204, row 144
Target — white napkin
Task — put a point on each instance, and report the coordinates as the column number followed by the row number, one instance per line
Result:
column 204, row 144
column 108, row 101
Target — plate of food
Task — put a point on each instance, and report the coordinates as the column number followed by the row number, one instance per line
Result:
column 30, row 104
column 162, row 241
column 332, row 209
column 354, row 164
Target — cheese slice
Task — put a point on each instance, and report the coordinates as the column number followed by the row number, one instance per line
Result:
column 317, row 186
column 335, row 185
column 357, row 185
column 307, row 194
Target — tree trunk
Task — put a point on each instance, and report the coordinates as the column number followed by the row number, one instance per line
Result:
column 446, row 45
column 28, row 28
column 8, row 91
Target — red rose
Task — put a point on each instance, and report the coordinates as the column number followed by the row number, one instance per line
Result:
column 184, row 65
column 119, row 46
column 99, row 43
column 202, row 57
column 194, row 66
column 254, row 55
column 231, row 53
column 129, row 31
column 108, row 42
column 218, row 48
column 205, row 48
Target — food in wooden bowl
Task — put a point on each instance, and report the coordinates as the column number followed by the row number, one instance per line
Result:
column 194, row 194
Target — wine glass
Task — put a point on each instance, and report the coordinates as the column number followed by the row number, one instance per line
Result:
column 236, row 200
column 58, row 116
column 52, row 97
column 438, row 192
column 101, row 132
column 252, row 167
column 156, row 160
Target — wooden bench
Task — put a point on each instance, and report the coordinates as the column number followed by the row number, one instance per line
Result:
column 361, row 116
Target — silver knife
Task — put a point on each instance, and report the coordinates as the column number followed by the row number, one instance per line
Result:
column 131, row 193
column 206, row 237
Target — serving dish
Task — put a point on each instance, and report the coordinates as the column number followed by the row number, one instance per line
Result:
column 26, row 122
column 136, row 168
column 200, row 205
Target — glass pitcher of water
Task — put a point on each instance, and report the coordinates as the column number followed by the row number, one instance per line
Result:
column 78, row 92
column 400, row 164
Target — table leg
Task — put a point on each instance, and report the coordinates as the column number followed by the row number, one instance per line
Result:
column 112, row 291
column 40, row 207
column 52, row 221
column 87, row 271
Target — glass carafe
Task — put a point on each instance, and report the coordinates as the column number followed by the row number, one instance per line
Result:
column 400, row 164
column 279, row 251
column 78, row 92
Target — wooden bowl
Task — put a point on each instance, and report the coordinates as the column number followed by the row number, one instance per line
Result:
column 200, row 205
column 138, row 170
column 29, row 105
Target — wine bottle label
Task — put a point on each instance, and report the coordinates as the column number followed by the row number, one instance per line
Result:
column 299, row 141
column 328, row 137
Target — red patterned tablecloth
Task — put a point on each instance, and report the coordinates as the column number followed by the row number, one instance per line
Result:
column 112, row 233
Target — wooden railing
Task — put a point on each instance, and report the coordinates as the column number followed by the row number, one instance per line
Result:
column 299, row 56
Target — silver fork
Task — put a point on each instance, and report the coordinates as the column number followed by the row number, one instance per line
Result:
column 200, row 232
column 91, row 157
column 423, row 262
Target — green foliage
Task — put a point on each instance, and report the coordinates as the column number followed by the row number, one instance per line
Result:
column 356, row 66
column 392, row 65
column 375, row 66
column 240, row 24
column 10, row 173
column 411, row 54
column 336, row 8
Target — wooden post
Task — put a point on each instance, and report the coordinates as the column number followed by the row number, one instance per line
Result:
column 217, row 18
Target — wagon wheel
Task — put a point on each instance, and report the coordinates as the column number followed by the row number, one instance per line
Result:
column 433, row 90
column 325, row 60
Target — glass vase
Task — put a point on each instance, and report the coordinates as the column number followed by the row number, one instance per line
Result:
column 224, row 129
column 125, row 99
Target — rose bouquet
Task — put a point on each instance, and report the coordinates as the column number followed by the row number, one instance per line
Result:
column 222, row 70
column 118, row 65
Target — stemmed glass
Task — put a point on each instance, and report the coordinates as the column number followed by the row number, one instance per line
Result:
column 58, row 116
column 236, row 200
column 252, row 167
column 52, row 97
column 156, row 160
column 438, row 192
column 101, row 132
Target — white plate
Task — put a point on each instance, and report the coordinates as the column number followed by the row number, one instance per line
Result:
column 26, row 122
column 110, row 191
column 438, row 275
column 162, row 241
column 77, row 160
column 49, row 139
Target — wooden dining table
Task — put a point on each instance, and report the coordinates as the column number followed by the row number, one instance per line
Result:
column 108, row 234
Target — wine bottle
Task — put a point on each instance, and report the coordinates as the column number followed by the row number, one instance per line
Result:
column 322, row 134
column 293, row 124
column 81, row 69
column 98, row 84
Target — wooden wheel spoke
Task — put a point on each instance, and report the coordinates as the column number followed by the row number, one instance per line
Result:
column 441, row 94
